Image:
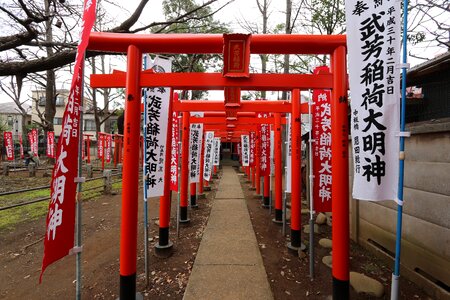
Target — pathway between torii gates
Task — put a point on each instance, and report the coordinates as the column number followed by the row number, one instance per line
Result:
column 228, row 263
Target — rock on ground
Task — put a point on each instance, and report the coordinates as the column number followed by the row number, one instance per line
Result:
column 321, row 219
column 327, row 260
column 306, row 228
column 326, row 243
column 364, row 284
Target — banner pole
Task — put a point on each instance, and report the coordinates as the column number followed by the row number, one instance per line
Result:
column 398, row 239
column 146, row 254
column 311, row 195
column 78, row 205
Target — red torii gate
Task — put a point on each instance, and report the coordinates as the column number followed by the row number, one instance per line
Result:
column 134, row 79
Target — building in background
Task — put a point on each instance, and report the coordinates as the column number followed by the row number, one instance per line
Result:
column 38, row 109
column 11, row 119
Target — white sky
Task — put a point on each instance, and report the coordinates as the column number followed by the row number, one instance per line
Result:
column 234, row 13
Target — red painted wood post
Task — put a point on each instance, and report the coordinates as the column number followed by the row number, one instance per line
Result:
column 164, row 245
column 130, row 183
column 266, row 191
column 193, row 194
column 253, row 169
column 296, row 185
column 339, row 165
column 258, row 162
column 184, row 168
column 278, row 170
column 103, row 152
column 88, row 140
column 202, row 162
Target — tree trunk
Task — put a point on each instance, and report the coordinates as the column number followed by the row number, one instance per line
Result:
column 50, row 89
column 106, row 92
column 94, row 103
column 288, row 31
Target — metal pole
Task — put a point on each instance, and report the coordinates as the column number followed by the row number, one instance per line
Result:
column 311, row 196
column 146, row 248
column 78, row 206
column 398, row 239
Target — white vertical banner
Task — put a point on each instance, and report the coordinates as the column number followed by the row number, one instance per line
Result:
column 245, row 151
column 216, row 160
column 272, row 151
column 208, row 155
column 156, row 118
column 373, row 39
column 195, row 147
column 288, row 154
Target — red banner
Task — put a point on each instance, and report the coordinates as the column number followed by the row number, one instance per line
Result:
column 252, row 148
column 59, row 237
column 321, row 127
column 9, row 145
column 21, row 146
column 33, row 140
column 108, row 146
column 83, row 148
column 265, row 146
column 100, row 145
column 174, row 152
column 51, row 144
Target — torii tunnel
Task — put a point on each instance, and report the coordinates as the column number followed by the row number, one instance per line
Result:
column 229, row 119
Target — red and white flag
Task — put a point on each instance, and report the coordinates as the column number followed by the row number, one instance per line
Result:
column 174, row 151
column 100, row 145
column 59, row 236
column 265, row 146
column 51, row 144
column 33, row 140
column 21, row 146
column 321, row 128
column 108, row 146
column 9, row 145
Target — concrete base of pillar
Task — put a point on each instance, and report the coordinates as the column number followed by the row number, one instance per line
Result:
column 164, row 251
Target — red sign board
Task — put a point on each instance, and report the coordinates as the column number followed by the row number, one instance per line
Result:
column 108, row 147
column 21, row 146
column 236, row 55
column 252, row 148
column 321, row 128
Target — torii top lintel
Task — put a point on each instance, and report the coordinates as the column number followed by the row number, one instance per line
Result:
column 213, row 43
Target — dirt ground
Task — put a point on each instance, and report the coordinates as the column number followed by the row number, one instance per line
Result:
column 21, row 256
column 289, row 275
column 21, row 250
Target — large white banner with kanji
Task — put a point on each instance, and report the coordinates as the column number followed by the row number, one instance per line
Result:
column 195, row 150
column 373, row 42
column 208, row 155
column 245, row 152
column 155, row 131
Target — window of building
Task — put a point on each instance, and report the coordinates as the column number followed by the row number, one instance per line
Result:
column 41, row 101
column 59, row 101
column 89, row 125
column 57, row 121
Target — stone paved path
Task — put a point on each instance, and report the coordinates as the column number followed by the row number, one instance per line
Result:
column 228, row 264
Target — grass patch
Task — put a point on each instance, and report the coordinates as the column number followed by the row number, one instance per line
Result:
column 10, row 218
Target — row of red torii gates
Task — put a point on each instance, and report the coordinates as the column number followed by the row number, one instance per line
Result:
column 230, row 118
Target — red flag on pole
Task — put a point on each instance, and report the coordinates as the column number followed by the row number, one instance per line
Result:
column 51, row 144
column 108, row 143
column 174, row 152
column 21, row 146
column 265, row 146
column 9, row 145
column 321, row 128
column 59, row 237
column 100, row 143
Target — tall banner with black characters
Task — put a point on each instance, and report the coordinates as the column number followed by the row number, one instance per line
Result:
column 245, row 152
column 216, row 160
column 156, row 118
column 195, row 146
column 373, row 42
column 208, row 155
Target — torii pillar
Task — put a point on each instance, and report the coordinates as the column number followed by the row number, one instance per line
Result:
column 130, row 181
column 184, row 168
